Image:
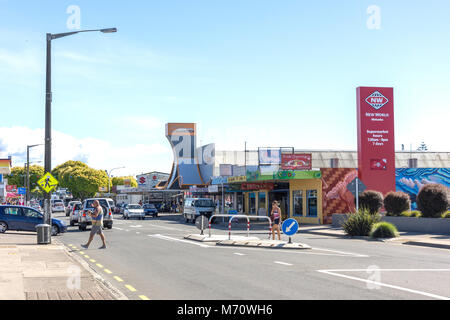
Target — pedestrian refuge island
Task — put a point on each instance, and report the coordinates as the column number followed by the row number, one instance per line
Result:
column 203, row 222
column 242, row 241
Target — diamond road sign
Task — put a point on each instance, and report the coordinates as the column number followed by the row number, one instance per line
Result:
column 47, row 182
column 352, row 187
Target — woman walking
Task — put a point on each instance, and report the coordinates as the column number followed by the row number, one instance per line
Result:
column 276, row 219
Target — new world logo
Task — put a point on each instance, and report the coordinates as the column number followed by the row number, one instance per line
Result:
column 377, row 100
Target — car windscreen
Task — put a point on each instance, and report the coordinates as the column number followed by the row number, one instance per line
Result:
column 149, row 206
column 103, row 203
column 203, row 203
column 134, row 207
column 77, row 206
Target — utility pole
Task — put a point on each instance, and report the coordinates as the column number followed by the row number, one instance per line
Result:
column 48, row 110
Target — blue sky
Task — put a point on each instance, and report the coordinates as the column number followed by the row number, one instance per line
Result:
column 272, row 73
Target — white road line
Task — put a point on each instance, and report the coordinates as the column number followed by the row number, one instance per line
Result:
column 342, row 252
column 239, row 254
column 283, row 263
column 159, row 236
column 162, row 227
column 384, row 284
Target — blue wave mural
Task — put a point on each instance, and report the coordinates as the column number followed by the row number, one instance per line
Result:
column 410, row 180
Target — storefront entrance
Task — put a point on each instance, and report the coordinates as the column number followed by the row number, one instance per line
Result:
column 280, row 194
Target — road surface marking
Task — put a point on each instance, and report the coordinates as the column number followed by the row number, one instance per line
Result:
column 137, row 226
column 179, row 240
column 99, row 265
column 239, row 254
column 342, row 252
column 283, row 263
column 332, row 273
column 93, row 261
column 118, row 279
column 138, row 233
column 117, row 228
column 81, row 252
column 108, row 271
column 144, row 298
column 86, row 256
column 131, row 288
column 162, row 227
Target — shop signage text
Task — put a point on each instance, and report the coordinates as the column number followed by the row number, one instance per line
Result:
column 237, row 179
column 296, row 161
column 257, row 186
column 376, row 145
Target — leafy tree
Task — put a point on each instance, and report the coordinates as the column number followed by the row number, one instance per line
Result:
column 120, row 181
column 57, row 170
column 18, row 175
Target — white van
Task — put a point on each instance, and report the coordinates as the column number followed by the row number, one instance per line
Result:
column 195, row 207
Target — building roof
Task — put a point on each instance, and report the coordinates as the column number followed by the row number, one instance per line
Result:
column 346, row 158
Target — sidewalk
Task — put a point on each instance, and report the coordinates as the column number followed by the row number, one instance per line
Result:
column 33, row 272
column 406, row 238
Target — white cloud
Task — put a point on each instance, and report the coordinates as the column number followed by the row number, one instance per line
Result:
column 97, row 153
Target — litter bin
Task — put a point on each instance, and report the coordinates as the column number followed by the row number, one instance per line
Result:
column 43, row 234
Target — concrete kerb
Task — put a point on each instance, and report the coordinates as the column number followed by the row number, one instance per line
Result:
column 268, row 244
column 116, row 293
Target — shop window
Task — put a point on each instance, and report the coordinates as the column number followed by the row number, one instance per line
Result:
column 312, row 203
column 252, row 203
column 298, row 202
column 262, row 203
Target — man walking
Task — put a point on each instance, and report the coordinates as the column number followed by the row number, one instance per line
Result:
column 97, row 224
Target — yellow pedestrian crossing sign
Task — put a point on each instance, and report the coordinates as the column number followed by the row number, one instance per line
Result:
column 47, row 182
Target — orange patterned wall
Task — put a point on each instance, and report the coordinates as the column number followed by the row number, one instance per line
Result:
column 335, row 196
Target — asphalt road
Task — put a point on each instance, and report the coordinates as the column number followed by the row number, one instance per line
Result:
column 151, row 260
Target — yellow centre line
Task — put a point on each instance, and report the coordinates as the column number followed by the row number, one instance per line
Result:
column 118, row 278
column 99, row 265
column 144, row 298
column 107, row 271
column 86, row 256
column 93, row 261
column 131, row 288
column 81, row 252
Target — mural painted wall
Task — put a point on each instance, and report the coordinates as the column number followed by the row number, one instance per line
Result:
column 410, row 180
column 336, row 198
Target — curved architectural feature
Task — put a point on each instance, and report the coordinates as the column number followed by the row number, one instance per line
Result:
column 192, row 165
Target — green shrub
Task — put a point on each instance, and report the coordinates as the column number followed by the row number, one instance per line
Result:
column 360, row 223
column 384, row 230
column 371, row 200
column 446, row 215
column 411, row 214
column 396, row 202
column 433, row 200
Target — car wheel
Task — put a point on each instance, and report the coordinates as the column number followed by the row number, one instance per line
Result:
column 72, row 223
column 3, row 227
column 55, row 230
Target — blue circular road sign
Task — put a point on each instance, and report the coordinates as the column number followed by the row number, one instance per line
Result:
column 290, row 227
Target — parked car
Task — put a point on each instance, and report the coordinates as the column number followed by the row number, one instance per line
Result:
column 195, row 207
column 112, row 205
column 75, row 213
column 36, row 206
column 122, row 207
column 19, row 218
column 133, row 211
column 57, row 206
column 150, row 210
column 69, row 207
column 84, row 219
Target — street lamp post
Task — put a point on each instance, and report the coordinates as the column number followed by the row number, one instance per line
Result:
column 48, row 108
column 109, row 177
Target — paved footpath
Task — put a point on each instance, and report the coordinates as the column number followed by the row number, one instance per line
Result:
column 47, row 272
column 406, row 238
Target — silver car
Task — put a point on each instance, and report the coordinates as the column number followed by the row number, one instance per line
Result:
column 74, row 214
column 134, row 211
column 84, row 219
